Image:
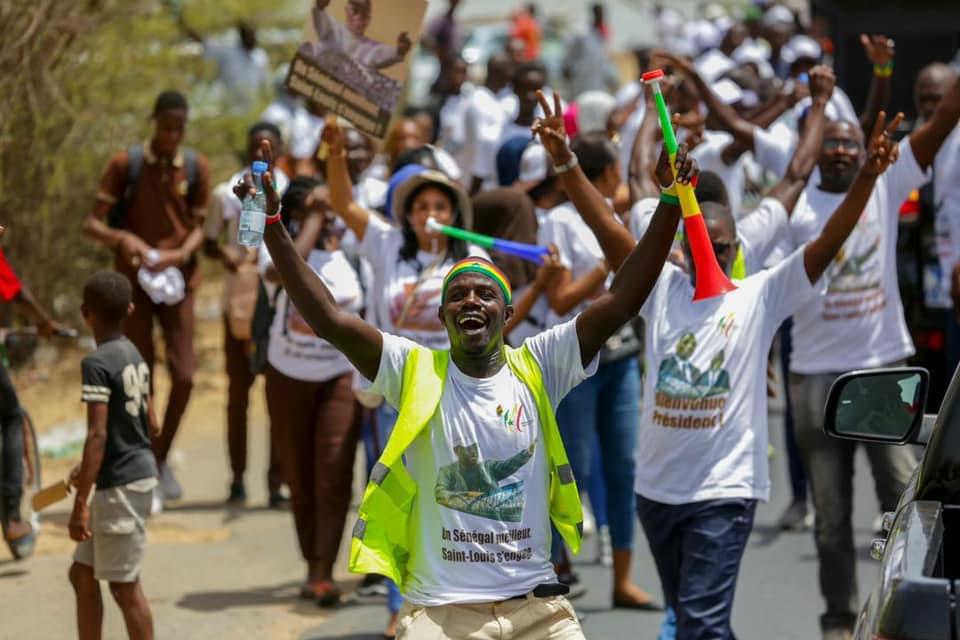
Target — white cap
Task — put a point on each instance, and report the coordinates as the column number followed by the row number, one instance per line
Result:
column 777, row 15
column 728, row 91
column 712, row 65
column 801, row 47
column 723, row 24
column 714, row 11
column 534, row 167
column 593, row 111
column 705, row 36
column 752, row 53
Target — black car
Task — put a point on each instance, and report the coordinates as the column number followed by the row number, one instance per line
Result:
column 920, row 575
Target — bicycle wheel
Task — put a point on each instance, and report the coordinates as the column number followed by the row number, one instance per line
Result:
column 32, row 481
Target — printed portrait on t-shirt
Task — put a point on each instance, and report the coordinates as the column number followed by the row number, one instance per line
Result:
column 677, row 376
column 414, row 308
column 295, row 322
column 688, row 397
column 714, row 381
column 856, row 267
column 855, row 277
column 473, row 486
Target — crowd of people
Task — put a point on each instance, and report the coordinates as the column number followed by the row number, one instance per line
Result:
column 488, row 392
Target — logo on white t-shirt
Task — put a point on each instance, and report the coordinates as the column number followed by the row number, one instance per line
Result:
column 512, row 419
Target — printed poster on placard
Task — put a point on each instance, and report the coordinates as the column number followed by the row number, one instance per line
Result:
column 355, row 57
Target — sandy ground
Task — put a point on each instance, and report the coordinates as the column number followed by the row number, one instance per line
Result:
column 210, row 571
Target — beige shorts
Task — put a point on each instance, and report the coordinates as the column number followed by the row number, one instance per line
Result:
column 529, row 618
column 118, row 518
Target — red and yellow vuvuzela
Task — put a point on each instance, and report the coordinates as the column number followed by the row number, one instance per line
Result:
column 710, row 279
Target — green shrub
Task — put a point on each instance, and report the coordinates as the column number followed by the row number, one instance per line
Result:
column 77, row 82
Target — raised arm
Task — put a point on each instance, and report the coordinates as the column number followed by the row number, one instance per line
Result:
column 926, row 141
column 640, row 171
column 545, row 274
column 880, row 53
column 639, row 269
column 788, row 190
column 360, row 342
column 615, row 240
column 881, row 153
column 304, row 243
column 730, row 120
column 338, row 180
column 770, row 112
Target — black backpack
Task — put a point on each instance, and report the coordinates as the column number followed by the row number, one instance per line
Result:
column 117, row 214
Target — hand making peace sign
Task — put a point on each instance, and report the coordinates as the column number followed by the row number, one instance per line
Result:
column 882, row 150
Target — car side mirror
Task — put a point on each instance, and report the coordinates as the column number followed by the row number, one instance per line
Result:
column 877, row 405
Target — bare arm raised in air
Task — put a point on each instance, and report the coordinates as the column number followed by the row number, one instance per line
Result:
column 338, row 180
column 788, row 190
column 638, row 265
column 360, row 342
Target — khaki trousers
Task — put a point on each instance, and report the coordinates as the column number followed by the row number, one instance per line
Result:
column 529, row 618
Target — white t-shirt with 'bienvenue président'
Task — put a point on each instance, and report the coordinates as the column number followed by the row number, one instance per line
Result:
column 703, row 430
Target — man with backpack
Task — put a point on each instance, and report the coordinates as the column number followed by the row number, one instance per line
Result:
column 149, row 209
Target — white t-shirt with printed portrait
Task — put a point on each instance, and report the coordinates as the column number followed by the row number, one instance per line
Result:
column 294, row 349
column 703, row 430
column 481, row 520
column 858, row 321
column 406, row 293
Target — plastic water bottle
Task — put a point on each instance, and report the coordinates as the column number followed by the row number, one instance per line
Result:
column 253, row 216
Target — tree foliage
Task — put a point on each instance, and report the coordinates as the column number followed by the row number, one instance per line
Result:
column 77, row 82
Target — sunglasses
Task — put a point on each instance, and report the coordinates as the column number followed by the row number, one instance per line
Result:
column 722, row 248
column 834, row 144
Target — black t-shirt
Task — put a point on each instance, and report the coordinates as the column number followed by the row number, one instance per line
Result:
column 116, row 375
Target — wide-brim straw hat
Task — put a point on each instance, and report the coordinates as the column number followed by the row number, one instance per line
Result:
column 430, row 177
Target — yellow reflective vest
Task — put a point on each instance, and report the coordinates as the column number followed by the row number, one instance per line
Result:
column 382, row 536
column 739, row 269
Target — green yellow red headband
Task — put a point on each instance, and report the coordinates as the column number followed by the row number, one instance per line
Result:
column 484, row 268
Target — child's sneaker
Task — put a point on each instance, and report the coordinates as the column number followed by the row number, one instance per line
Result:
column 169, row 485
column 156, row 502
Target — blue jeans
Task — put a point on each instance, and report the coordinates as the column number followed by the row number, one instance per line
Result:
column 597, row 488
column 386, row 418
column 698, row 548
column 605, row 408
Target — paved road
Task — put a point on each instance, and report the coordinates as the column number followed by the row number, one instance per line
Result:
column 777, row 596
column 217, row 573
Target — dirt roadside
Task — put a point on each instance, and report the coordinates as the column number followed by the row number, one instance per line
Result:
column 210, row 571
